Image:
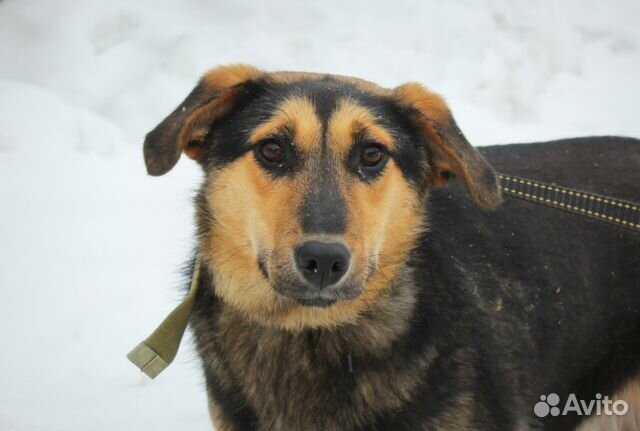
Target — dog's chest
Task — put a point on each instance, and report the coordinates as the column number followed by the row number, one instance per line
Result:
column 310, row 381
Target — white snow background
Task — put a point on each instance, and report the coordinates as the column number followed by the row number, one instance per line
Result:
column 91, row 247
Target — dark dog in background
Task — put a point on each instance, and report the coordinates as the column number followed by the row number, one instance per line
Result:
column 362, row 271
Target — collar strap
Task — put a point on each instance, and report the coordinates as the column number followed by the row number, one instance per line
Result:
column 614, row 211
column 155, row 353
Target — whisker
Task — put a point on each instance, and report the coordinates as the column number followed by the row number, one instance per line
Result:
column 233, row 253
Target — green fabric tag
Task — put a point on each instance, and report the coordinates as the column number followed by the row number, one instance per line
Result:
column 155, row 353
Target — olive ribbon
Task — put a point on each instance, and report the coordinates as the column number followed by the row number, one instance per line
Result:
column 155, row 353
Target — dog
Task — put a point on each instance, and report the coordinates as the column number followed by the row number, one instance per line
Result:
column 363, row 271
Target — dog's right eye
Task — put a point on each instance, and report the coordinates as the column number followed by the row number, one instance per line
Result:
column 270, row 151
column 276, row 156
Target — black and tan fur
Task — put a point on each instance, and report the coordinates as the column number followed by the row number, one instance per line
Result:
column 456, row 312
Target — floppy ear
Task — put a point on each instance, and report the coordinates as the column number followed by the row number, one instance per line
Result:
column 451, row 153
column 186, row 127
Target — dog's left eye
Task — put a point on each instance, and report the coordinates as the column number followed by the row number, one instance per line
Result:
column 367, row 160
column 372, row 155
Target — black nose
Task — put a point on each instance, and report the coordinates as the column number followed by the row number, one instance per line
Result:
column 322, row 263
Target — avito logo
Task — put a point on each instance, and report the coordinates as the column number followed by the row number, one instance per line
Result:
column 550, row 405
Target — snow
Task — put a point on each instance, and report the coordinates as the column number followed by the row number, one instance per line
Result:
column 91, row 247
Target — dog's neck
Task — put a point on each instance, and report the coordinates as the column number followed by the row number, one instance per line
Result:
column 374, row 331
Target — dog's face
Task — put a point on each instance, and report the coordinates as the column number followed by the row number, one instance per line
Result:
column 315, row 184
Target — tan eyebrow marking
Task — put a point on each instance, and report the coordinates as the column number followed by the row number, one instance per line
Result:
column 296, row 115
column 349, row 120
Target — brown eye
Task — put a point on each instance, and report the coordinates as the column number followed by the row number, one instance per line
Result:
column 372, row 155
column 271, row 151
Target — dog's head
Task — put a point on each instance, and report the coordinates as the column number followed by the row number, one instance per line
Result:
column 314, row 190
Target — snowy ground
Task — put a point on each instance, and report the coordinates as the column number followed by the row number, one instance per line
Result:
column 90, row 247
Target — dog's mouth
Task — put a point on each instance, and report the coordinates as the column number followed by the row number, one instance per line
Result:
column 306, row 298
column 316, row 302
column 325, row 298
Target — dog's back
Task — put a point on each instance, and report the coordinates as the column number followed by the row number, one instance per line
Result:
column 561, row 290
column 607, row 165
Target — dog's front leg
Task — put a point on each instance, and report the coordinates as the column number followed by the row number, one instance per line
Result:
column 220, row 423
